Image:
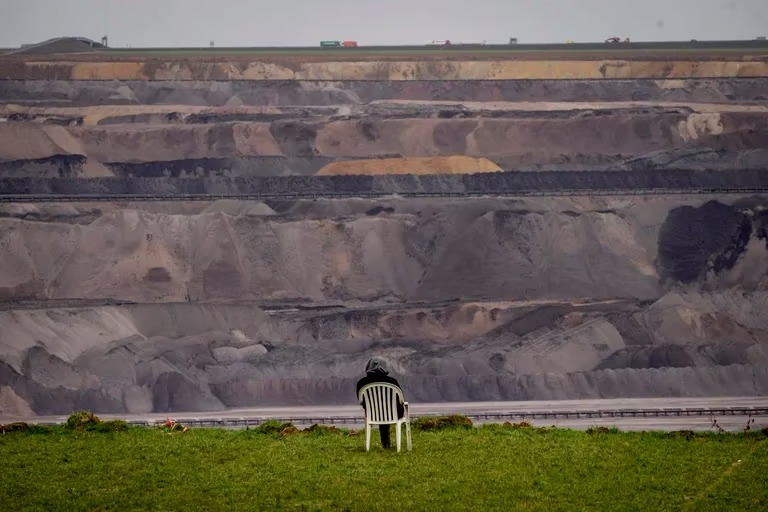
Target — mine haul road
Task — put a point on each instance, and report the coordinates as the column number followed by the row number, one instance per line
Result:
column 661, row 414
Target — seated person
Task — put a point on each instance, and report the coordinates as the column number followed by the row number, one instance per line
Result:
column 376, row 371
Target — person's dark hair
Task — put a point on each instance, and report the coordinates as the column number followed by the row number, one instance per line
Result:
column 376, row 365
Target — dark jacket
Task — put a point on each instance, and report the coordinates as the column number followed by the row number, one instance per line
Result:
column 373, row 377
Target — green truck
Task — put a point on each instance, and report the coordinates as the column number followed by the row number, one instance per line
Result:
column 330, row 44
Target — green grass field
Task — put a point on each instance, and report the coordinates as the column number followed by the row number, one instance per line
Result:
column 485, row 468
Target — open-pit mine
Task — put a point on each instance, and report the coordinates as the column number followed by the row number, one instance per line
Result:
column 196, row 233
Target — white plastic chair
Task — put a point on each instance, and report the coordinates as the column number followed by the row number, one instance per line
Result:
column 380, row 399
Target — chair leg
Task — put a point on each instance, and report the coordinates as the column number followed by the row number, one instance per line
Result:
column 409, row 444
column 367, row 437
column 397, row 435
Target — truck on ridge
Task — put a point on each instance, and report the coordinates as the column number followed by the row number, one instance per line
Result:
column 338, row 44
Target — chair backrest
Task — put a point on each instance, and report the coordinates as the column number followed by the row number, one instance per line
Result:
column 380, row 400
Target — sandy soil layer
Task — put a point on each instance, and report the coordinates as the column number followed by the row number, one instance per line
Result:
column 376, row 68
column 412, row 165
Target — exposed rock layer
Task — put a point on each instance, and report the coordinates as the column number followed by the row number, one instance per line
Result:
column 350, row 92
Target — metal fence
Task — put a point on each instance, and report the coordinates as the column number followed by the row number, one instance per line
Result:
column 254, row 421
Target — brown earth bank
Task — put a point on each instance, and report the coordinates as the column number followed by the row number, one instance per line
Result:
column 378, row 68
column 176, row 141
column 469, row 299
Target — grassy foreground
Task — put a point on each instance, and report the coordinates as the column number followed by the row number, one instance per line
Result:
column 487, row 468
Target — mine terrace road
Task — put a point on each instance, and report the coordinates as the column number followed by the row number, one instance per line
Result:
column 665, row 414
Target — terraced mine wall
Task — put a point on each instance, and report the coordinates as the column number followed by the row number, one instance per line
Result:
column 623, row 253
column 192, row 117
column 186, row 142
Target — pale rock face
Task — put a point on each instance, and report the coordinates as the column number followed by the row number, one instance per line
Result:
column 700, row 125
column 12, row 405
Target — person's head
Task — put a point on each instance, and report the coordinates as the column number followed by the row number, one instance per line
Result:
column 376, row 365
